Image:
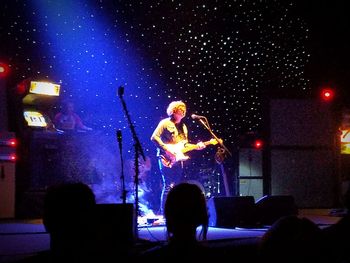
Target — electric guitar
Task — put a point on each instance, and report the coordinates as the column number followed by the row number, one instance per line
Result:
column 179, row 149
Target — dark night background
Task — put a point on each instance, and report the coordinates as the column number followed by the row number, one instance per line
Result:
column 222, row 58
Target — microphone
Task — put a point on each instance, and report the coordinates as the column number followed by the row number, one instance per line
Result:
column 120, row 91
column 119, row 136
column 194, row 116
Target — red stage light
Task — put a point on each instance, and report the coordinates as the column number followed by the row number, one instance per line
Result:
column 4, row 70
column 12, row 142
column 23, row 86
column 327, row 94
column 13, row 157
column 258, row 144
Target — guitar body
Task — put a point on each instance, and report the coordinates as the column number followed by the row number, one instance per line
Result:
column 179, row 149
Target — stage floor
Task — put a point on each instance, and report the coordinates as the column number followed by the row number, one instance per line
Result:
column 21, row 238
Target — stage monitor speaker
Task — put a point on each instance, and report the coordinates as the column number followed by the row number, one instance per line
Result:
column 234, row 211
column 115, row 227
column 271, row 208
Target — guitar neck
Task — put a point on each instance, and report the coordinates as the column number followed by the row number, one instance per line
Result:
column 207, row 143
column 191, row 147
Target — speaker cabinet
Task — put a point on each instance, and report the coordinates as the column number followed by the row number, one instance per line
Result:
column 234, row 211
column 308, row 175
column 45, row 161
column 270, row 208
column 303, row 155
column 301, row 122
column 250, row 173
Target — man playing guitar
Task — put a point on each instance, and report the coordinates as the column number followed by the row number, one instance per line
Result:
column 171, row 138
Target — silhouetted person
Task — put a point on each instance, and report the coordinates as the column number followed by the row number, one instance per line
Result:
column 292, row 239
column 337, row 236
column 185, row 211
column 69, row 219
column 68, row 120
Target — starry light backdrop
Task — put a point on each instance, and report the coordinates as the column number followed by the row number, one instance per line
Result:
column 220, row 57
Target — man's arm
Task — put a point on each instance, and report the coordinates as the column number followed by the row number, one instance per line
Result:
column 197, row 146
column 156, row 138
column 79, row 123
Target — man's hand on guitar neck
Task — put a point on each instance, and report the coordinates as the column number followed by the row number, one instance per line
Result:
column 200, row 145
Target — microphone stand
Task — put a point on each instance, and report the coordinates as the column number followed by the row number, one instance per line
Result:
column 220, row 154
column 206, row 125
column 122, row 177
column 138, row 151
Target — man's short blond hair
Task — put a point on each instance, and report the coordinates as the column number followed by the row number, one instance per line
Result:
column 174, row 105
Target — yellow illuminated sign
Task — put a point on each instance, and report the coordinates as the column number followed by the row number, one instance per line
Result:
column 44, row 88
column 34, row 119
column 345, row 141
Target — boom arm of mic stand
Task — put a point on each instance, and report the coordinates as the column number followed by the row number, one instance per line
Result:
column 205, row 124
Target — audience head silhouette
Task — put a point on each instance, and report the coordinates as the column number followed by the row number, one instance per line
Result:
column 292, row 239
column 337, row 235
column 185, row 210
column 69, row 219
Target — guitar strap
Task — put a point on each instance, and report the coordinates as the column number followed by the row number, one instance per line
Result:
column 182, row 131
